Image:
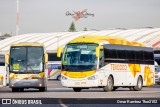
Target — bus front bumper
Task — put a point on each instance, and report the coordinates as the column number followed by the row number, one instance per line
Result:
column 83, row 83
column 29, row 83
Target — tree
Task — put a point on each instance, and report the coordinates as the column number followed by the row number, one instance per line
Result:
column 72, row 27
column 85, row 29
column 6, row 35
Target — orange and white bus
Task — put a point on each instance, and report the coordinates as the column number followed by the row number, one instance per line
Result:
column 106, row 62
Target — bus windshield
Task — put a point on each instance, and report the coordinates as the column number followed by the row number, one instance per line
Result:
column 26, row 59
column 79, row 57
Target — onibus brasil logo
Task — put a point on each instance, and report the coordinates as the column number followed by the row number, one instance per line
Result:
column 79, row 14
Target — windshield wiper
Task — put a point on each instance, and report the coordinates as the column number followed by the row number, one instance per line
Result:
column 65, row 68
column 27, row 65
column 91, row 67
column 31, row 69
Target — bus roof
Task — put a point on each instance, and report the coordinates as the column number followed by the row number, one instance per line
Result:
column 101, row 39
column 27, row 44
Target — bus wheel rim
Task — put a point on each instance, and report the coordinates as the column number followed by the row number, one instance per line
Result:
column 109, row 83
column 139, row 84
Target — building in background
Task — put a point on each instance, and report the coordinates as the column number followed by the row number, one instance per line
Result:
column 51, row 41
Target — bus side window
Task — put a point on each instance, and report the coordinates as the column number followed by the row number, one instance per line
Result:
column 121, row 56
column 139, row 57
column 131, row 56
column 49, row 66
column 101, row 59
column 110, row 55
column 148, row 57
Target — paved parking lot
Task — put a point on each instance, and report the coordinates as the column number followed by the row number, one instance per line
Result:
column 55, row 90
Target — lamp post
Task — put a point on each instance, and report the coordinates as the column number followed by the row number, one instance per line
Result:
column 17, row 18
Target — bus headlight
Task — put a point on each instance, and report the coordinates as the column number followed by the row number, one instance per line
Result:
column 63, row 78
column 40, row 85
column 94, row 77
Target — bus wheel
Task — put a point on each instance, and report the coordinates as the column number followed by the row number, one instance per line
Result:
column 138, row 87
column 77, row 89
column 131, row 88
column 42, row 89
column 15, row 89
column 109, row 85
column 59, row 78
column 21, row 89
column 114, row 88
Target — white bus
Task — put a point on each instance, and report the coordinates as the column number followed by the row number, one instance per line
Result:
column 54, row 70
column 3, row 71
column 54, row 66
column 106, row 62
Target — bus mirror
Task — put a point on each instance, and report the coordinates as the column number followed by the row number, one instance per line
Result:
column 59, row 51
column 46, row 57
column 97, row 51
column 101, row 47
column 7, row 59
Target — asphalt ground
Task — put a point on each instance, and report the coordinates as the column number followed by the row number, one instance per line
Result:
column 55, row 90
column 95, row 97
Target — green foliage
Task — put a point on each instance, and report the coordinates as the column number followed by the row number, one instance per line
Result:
column 72, row 28
column 85, row 29
column 6, row 35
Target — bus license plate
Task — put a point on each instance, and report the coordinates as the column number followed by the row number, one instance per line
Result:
column 77, row 83
column 27, row 84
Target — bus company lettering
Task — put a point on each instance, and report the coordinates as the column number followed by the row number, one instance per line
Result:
column 118, row 67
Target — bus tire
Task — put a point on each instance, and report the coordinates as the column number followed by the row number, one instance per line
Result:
column 42, row 89
column 77, row 89
column 138, row 87
column 131, row 88
column 45, row 88
column 59, row 78
column 109, row 85
column 114, row 88
column 21, row 89
column 15, row 89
